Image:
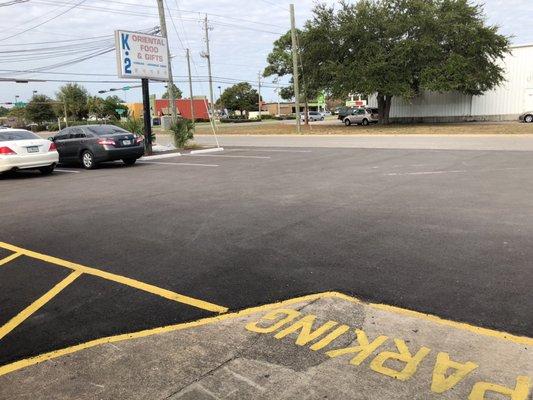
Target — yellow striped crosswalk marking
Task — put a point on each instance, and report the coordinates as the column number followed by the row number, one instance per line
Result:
column 37, row 304
column 9, row 258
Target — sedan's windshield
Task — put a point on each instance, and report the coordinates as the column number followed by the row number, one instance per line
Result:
column 17, row 135
column 104, row 130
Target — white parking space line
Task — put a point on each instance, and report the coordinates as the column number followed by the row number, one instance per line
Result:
column 161, row 156
column 226, row 156
column 188, row 164
column 426, row 173
column 272, row 151
column 458, row 171
column 68, row 171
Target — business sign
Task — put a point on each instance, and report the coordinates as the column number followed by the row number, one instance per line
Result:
column 140, row 55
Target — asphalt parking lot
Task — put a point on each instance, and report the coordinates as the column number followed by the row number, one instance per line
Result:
column 443, row 232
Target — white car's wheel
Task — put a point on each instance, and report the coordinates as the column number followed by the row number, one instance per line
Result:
column 528, row 119
column 47, row 170
column 347, row 122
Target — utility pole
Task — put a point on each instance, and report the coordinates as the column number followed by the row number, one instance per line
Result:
column 65, row 110
column 259, row 91
column 295, row 69
column 207, row 55
column 190, row 85
column 277, row 92
column 170, row 86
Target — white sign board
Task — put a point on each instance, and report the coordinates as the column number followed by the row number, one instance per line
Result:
column 140, row 55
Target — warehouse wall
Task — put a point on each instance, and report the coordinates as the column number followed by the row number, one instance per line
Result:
column 506, row 102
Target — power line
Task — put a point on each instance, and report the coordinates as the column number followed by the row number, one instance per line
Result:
column 143, row 14
column 46, row 21
column 196, row 12
column 57, row 41
column 274, row 5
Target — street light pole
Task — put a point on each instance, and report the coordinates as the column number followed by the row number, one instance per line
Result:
column 207, row 55
column 171, row 97
column 295, row 68
column 190, row 86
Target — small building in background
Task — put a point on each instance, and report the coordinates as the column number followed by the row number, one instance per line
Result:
column 160, row 107
column 505, row 103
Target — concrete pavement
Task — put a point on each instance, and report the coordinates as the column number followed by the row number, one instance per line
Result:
column 326, row 346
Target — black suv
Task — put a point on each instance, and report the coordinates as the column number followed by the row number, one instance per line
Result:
column 92, row 144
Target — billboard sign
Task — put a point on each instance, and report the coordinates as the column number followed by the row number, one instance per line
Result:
column 140, row 55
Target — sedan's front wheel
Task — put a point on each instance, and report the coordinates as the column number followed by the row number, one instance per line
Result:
column 347, row 122
column 87, row 160
column 129, row 161
column 528, row 119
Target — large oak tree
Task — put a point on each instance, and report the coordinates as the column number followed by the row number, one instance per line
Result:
column 400, row 48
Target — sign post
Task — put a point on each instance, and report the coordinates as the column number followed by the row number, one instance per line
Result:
column 146, row 116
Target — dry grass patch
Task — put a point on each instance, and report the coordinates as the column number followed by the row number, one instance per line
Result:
column 507, row 128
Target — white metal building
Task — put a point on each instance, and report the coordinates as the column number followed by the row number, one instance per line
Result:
column 506, row 102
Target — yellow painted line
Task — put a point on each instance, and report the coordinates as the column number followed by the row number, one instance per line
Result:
column 6, row 369
column 9, row 258
column 458, row 325
column 167, row 294
column 37, row 304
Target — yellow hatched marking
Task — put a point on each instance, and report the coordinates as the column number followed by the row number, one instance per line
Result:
column 9, row 258
column 167, row 294
column 37, row 304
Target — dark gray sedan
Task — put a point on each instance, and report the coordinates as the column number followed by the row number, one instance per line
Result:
column 527, row 117
column 93, row 144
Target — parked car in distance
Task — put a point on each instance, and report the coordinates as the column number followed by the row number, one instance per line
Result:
column 313, row 116
column 326, row 113
column 93, row 144
column 363, row 116
column 343, row 112
column 526, row 117
column 22, row 149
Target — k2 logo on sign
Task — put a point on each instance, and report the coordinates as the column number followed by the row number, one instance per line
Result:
column 125, row 46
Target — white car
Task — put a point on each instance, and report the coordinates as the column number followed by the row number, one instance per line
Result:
column 313, row 116
column 22, row 149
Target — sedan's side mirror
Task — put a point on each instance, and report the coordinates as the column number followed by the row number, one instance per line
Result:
column 51, row 138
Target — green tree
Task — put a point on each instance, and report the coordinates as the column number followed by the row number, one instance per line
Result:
column 280, row 63
column 402, row 47
column 19, row 113
column 3, row 111
column 40, row 109
column 95, row 106
column 240, row 97
column 106, row 108
column 177, row 93
column 76, row 97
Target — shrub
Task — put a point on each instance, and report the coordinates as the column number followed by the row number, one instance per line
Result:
column 182, row 131
column 133, row 125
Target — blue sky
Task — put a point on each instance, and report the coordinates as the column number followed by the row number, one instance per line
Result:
column 241, row 37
